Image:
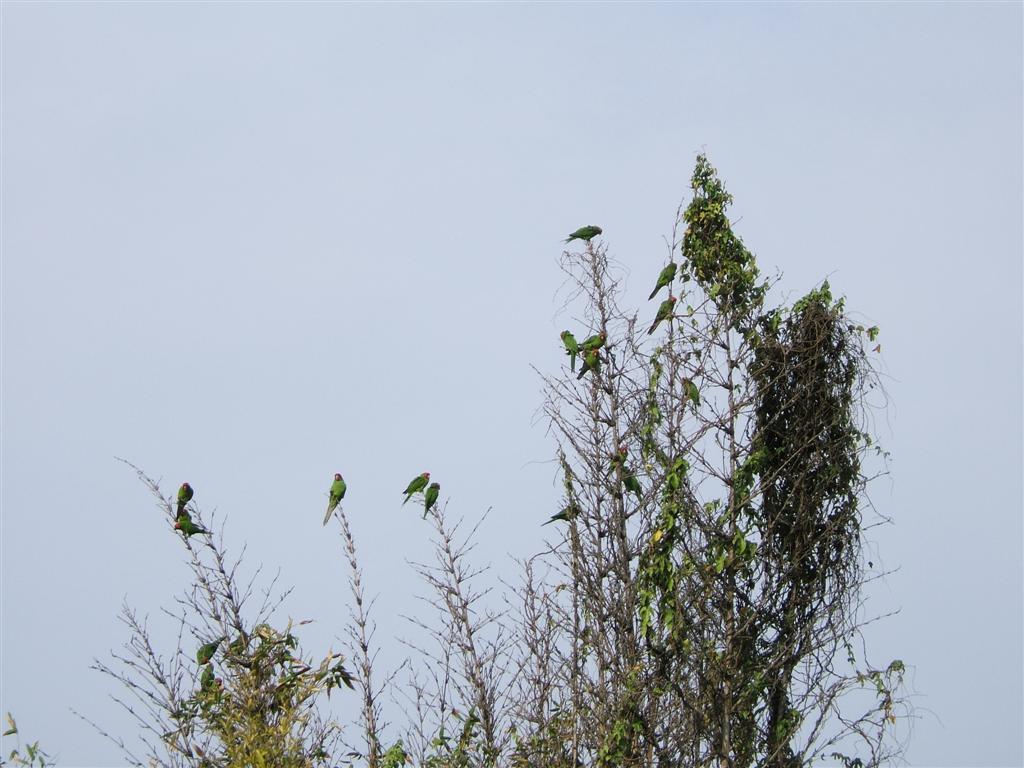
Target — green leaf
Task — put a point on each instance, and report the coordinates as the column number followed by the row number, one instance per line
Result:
column 873, row 333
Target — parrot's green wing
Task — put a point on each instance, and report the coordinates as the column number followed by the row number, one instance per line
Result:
column 665, row 278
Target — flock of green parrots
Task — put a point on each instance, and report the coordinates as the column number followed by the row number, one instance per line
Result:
column 587, row 349
column 418, row 484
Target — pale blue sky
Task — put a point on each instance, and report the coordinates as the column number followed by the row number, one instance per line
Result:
column 248, row 245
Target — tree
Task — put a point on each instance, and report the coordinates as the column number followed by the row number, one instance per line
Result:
column 701, row 604
column 254, row 703
column 710, row 612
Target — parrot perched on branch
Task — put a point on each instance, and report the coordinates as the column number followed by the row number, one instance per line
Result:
column 594, row 343
column 338, row 489
column 568, row 512
column 185, row 494
column 417, row 484
column 591, row 362
column 430, row 497
column 186, row 526
column 618, row 460
column 206, row 651
column 208, row 682
column 631, row 484
column 572, row 348
column 584, row 233
column 665, row 278
column 664, row 312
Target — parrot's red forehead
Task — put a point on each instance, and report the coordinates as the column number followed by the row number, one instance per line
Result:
column 337, row 475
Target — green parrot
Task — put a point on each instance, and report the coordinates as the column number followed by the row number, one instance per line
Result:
column 664, row 312
column 206, row 651
column 430, row 498
column 632, row 484
column 208, row 681
column 591, row 362
column 584, row 233
column 186, row 526
column 185, row 494
column 238, row 646
column 594, row 343
column 618, row 460
column 667, row 275
column 416, row 485
column 571, row 348
column 568, row 512
column 338, row 489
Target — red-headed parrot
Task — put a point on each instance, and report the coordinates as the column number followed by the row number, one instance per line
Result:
column 667, row 275
column 417, row 484
column 571, row 348
column 430, row 497
column 584, row 233
column 591, row 362
column 338, row 489
column 185, row 494
column 186, row 526
column 206, row 651
column 664, row 312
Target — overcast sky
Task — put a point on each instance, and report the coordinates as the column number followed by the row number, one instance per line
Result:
column 249, row 245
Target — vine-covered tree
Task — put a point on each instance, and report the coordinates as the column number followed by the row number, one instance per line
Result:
column 715, row 557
